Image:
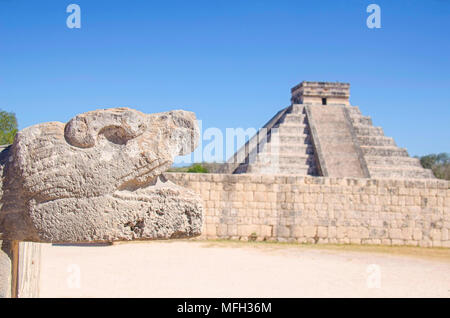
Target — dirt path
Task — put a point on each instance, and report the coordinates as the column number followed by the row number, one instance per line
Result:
column 205, row 269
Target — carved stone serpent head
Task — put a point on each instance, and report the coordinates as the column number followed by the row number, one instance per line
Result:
column 96, row 178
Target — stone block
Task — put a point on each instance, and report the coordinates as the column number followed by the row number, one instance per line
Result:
column 435, row 234
column 332, row 232
column 386, row 241
column 353, row 233
column 341, row 232
column 271, row 196
column 232, row 230
column 266, row 230
column 322, row 232
column 407, row 233
column 356, row 241
column 310, row 231
column 398, row 242
column 259, row 196
column 297, row 231
column 211, row 230
column 283, row 231
column 222, row 229
column 444, row 234
column 261, row 187
column 395, row 233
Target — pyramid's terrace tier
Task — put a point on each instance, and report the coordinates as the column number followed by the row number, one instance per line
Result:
column 324, row 93
column 383, row 157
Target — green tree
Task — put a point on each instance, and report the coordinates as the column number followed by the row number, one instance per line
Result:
column 8, row 127
column 439, row 163
column 197, row 168
column 428, row 161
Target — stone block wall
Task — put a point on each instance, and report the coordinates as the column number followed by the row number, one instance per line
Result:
column 322, row 210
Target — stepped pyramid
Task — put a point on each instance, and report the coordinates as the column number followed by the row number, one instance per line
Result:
column 321, row 134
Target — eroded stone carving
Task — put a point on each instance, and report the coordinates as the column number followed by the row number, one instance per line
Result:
column 98, row 178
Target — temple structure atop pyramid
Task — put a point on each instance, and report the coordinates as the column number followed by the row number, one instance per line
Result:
column 321, row 134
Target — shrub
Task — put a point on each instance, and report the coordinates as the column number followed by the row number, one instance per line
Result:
column 439, row 163
column 197, row 168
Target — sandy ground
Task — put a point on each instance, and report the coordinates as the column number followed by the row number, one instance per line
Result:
column 205, row 269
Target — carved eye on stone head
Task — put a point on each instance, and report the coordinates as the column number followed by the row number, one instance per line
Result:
column 116, row 135
column 117, row 125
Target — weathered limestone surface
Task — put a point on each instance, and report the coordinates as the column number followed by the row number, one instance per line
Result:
column 97, row 178
column 323, row 210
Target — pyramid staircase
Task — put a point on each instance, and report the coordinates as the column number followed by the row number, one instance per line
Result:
column 287, row 148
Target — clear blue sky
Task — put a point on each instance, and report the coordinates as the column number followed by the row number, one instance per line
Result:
column 231, row 62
